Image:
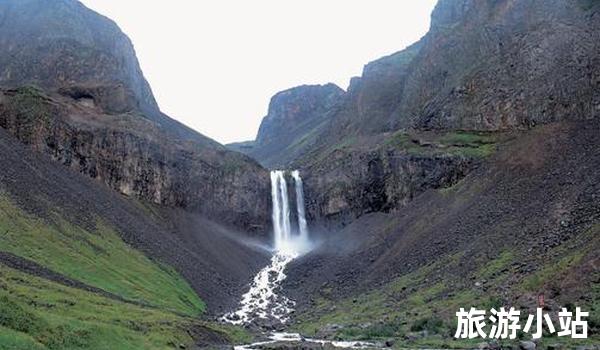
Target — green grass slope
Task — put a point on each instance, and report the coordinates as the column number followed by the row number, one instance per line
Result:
column 153, row 307
column 38, row 314
column 98, row 258
column 418, row 310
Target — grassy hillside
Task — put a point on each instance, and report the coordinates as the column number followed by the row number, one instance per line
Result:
column 39, row 314
column 524, row 222
column 96, row 257
column 418, row 309
column 147, row 304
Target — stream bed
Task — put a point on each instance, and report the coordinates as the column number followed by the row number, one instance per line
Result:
column 288, row 340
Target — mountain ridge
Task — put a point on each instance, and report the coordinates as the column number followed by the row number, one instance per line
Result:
column 443, row 178
column 457, row 172
column 91, row 95
column 483, row 70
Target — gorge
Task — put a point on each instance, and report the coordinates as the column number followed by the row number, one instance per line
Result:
column 262, row 303
column 459, row 171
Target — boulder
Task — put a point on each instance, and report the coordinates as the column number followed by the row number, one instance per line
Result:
column 527, row 345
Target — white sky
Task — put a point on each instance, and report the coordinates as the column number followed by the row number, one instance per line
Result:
column 214, row 64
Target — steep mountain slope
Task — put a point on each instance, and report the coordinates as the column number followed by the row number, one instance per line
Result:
column 39, row 314
column 295, row 118
column 58, row 44
column 72, row 249
column 63, row 204
column 425, row 116
column 492, row 65
column 525, row 222
column 459, row 172
column 138, row 158
column 95, row 112
column 484, row 65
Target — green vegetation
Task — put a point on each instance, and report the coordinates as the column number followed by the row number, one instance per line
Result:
column 460, row 143
column 380, row 314
column 594, row 310
column 429, row 324
column 420, row 312
column 379, row 330
column 495, row 268
column 100, row 259
column 536, row 281
column 39, row 314
column 36, row 313
column 403, row 140
column 29, row 105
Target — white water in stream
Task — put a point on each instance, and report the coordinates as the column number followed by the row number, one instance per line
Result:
column 295, row 337
column 262, row 300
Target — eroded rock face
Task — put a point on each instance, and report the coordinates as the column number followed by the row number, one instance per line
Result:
column 295, row 118
column 372, row 98
column 350, row 184
column 484, row 65
column 136, row 157
column 296, row 106
column 61, row 43
column 93, row 110
column 494, row 65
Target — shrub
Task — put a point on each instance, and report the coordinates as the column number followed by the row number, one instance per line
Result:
column 13, row 316
column 430, row 324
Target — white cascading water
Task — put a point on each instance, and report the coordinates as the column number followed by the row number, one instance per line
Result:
column 262, row 300
column 302, row 226
column 281, row 212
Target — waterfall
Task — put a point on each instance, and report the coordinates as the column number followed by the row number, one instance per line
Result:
column 281, row 212
column 262, row 300
column 286, row 241
column 284, row 211
column 300, row 205
column 279, row 232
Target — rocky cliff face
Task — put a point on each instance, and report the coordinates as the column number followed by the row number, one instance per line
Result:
column 93, row 111
column 295, row 117
column 351, row 184
column 136, row 157
column 290, row 109
column 62, row 44
column 485, row 65
column 491, row 66
column 374, row 96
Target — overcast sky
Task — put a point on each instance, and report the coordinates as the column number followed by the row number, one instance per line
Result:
column 214, row 64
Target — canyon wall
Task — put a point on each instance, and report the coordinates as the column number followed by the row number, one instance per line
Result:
column 485, row 70
column 72, row 88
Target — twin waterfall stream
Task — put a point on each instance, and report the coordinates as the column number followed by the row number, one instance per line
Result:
column 262, row 300
column 262, row 303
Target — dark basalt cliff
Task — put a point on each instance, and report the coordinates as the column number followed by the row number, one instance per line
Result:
column 351, row 184
column 485, row 65
column 62, row 44
column 295, row 117
column 93, row 111
column 492, row 65
column 485, row 70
